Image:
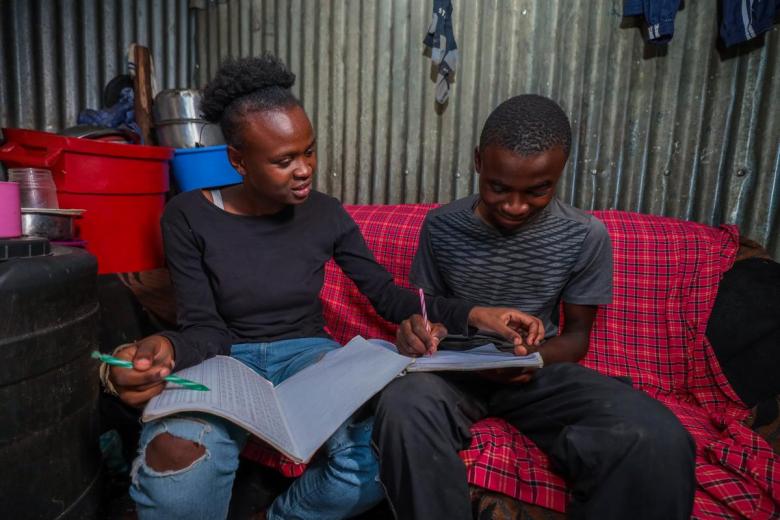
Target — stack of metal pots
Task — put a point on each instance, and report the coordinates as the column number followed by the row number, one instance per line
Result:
column 179, row 123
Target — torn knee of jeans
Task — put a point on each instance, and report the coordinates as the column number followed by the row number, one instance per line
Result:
column 167, row 452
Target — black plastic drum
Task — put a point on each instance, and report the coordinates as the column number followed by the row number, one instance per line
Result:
column 49, row 452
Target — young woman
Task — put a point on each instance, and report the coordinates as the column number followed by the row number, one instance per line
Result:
column 247, row 262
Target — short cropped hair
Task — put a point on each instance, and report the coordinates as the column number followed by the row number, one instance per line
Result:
column 527, row 125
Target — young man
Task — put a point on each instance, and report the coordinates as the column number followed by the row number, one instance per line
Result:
column 514, row 244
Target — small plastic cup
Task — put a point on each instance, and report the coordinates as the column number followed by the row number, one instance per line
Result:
column 10, row 213
column 36, row 187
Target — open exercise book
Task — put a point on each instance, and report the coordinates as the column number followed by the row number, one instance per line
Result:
column 297, row 416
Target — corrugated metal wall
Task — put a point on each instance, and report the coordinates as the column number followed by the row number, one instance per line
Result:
column 687, row 130
column 684, row 131
column 56, row 55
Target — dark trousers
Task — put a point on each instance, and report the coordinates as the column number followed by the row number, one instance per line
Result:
column 624, row 454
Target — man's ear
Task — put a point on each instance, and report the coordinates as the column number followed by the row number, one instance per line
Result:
column 234, row 156
column 477, row 160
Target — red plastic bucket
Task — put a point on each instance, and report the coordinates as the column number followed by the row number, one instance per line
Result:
column 122, row 187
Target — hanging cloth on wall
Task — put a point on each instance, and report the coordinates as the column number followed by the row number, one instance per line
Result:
column 746, row 19
column 742, row 20
column 444, row 50
column 659, row 16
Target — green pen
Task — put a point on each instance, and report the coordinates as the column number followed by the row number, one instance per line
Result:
column 116, row 362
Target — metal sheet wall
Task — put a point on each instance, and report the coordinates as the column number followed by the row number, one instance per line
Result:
column 56, row 55
column 686, row 131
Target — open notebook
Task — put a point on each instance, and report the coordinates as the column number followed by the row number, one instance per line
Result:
column 297, row 416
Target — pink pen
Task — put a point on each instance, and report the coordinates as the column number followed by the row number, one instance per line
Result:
column 424, row 311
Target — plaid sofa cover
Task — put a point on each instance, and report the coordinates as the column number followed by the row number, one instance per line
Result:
column 666, row 274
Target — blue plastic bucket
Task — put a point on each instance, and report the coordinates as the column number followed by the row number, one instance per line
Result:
column 204, row 167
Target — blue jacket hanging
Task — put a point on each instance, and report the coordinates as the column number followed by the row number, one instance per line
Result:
column 659, row 16
column 745, row 19
column 742, row 20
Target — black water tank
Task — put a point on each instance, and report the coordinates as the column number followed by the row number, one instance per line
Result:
column 49, row 452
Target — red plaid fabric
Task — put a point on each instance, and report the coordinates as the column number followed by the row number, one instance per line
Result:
column 666, row 276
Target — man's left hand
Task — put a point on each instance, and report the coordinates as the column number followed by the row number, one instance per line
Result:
column 524, row 330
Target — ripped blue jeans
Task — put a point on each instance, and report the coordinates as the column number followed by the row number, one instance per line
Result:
column 340, row 482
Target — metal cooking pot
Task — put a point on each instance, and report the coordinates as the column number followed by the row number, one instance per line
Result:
column 178, row 103
column 49, row 223
column 179, row 123
column 188, row 133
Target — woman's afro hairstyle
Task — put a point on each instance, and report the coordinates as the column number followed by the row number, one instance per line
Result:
column 243, row 86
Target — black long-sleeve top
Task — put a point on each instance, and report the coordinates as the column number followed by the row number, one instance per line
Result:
column 245, row 279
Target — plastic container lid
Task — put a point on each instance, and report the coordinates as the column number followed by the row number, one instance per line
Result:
column 24, row 247
column 89, row 166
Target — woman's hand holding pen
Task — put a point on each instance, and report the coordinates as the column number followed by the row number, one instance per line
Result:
column 416, row 336
column 152, row 359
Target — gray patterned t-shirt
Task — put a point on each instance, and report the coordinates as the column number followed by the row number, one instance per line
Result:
column 563, row 253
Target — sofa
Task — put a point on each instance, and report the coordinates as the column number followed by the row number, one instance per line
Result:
column 666, row 275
